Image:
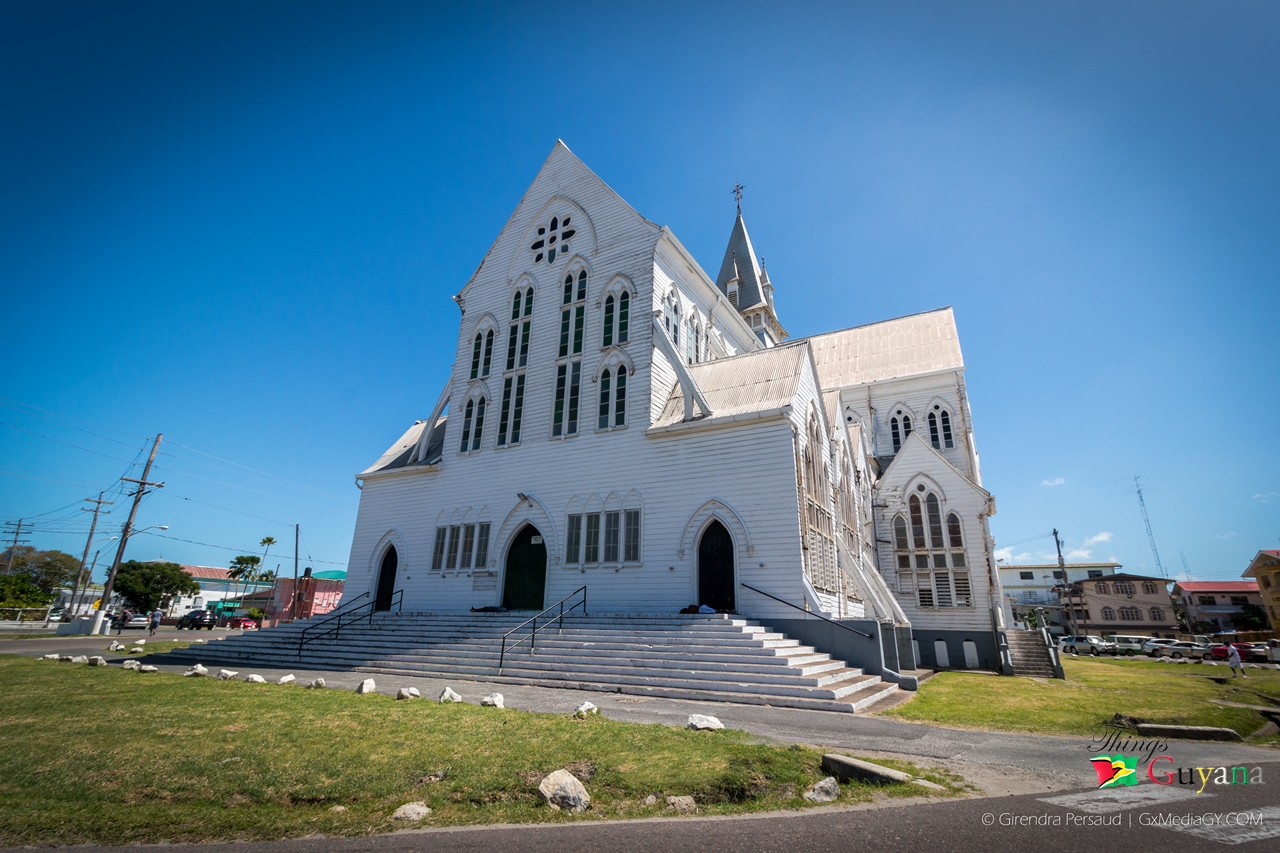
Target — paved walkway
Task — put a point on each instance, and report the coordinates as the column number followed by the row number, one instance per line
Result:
column 997, row 762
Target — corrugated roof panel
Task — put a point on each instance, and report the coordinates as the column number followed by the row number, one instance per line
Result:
column 754, row 382
column 921, row 343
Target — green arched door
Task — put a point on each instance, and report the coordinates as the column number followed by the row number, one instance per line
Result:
column 525, row 582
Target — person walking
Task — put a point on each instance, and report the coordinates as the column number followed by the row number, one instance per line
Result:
column 122, row 621
column 156, row 616
column 1233, row 661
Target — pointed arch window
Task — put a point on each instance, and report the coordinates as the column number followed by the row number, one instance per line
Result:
column 552, row 239
column 604, row 399
column 466, row 426
column 607, row 338
column 819, row 551
column 895, row 433
column 488, row 354
column 624, row 316
column 479, row 430
column 521, row 326
column 475, row 355
column 917, row 523
column 931, row 569
column 940, row 429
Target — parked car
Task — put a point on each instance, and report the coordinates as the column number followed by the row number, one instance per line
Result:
column 1153, row 646
column 1128, row 645
column 138, row 621
column 242, row 622
column 1272, row 648
column 197, row 619
column 1085, row 645
column 1184, row 649
column 1247, row 652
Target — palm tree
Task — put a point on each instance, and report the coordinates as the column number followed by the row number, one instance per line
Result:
column 243, row 568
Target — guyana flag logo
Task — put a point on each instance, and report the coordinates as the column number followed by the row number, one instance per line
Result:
column 1115, row 771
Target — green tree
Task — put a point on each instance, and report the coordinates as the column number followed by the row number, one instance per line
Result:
column 142, row 585
column 20, row 591
column 48, row 570
column 244, row 569
column 1250, row 618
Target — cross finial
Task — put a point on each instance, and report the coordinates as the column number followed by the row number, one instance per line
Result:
column 737, row 193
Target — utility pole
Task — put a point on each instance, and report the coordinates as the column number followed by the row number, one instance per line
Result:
column 88, row 543
column 125, row 531
column 293, row 605
column 1066, row 584
column 13, row 549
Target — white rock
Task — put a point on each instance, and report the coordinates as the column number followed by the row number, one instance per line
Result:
column 96, row 660
column 286, row 679
column 195, row 672
column 338, row 809
column 139, row 642
column 114, row 647
column 131, row 664
column 255, row 679
column 227, row 674
column 53, row 656
column 493, row 700
column 650, row 800
column 136, row 650
column 66, row 658
column 584, row 710
column 80, row 659
column 407, row 693
column 447, row 695
column 148, row 668
column 682, row 805
column 562, row 790
column 411, row 811
column 826, row 791
column 318, row 684
column 367, row 686
column 199, row 641
column 702, row 722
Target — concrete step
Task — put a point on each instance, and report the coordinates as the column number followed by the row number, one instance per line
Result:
column 714, row 658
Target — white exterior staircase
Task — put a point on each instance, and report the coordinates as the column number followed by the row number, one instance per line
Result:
column 712, row 658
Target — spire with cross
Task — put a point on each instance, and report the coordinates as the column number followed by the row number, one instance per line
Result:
column 737, row 193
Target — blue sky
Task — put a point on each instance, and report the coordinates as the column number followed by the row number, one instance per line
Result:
column 240, row 224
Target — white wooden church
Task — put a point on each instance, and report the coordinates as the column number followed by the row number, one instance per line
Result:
column 618, row 418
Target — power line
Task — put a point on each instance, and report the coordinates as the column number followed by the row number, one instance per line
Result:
column 60, row 441
column 19, row 405
column 235, row 550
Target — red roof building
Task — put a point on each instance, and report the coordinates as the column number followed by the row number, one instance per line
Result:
column 1215, row 605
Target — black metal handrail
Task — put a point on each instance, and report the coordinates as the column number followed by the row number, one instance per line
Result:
column 355, row 613
column 533, row 635
column 810, row 612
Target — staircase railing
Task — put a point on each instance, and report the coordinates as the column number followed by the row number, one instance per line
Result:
column 809, row 612
column 348, row 617
column 533, row 634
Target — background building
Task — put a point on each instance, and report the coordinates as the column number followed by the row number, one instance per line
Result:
column 1215, row 606
column 1265, row 569
column 1037, row 586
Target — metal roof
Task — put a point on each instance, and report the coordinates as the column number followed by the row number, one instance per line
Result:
column 1218, row 586
column 906, row 346
column 740, row 262
column 754, row 382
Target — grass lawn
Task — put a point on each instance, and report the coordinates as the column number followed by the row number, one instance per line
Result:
column 1094, row 691
column 108, row 756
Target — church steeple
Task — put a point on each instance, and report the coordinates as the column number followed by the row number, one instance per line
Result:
column 744, row 281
